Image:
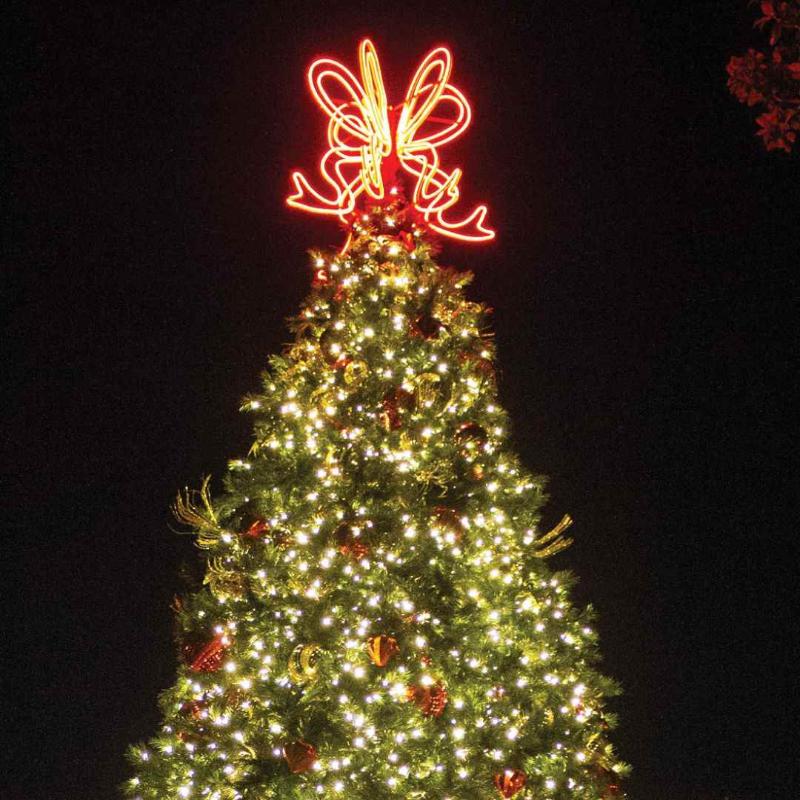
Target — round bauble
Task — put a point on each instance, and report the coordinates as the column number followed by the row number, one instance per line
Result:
column 300, row 756
column 205, row 657
column 348, row 540
column 431, row 700
column 382, row 649
column 303, row 663
column 510, row 781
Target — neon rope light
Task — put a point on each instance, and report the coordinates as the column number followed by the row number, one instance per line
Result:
column 370, row 142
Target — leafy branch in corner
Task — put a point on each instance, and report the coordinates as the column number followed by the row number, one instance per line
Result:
column 771, row 78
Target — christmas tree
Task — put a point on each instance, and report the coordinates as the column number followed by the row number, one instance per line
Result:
column 378, row 619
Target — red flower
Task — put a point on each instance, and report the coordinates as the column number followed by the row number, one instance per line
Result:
column 772, row 79
column 779, row 128
column 747, row 77
column 782, row 16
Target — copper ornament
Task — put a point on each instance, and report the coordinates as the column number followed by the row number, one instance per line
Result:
column 431, row 700
column 382, row 649
column 510, row 781
column 349, row 543
column 300, row 756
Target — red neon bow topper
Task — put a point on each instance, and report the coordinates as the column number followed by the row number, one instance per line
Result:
column 370, row 142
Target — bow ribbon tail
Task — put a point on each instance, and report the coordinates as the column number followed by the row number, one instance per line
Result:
column 437, row 191
column 470, row 229
column 345, row 191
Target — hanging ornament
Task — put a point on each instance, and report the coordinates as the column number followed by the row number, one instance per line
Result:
column 471, row 437
column 355, row 372
column 477, row 471
column 281, row 538
column 303, row 663
column 300, row 756
column 394, row 407
column 195, row 737
column 194, row 508
column 224, row 582
column 447, row 520
column 196, row 709
column 235, row 697
column 486, row 369
column 431, row 700
column 321, row 275
column 206, row 657
column 425, row 325
column 510, row 781
column 342, row 362
column 349, row 542
column 553, row 542
column 425, row 386
column 255, row 528
column 603, row 771
column 408, row 240
column 382, row 649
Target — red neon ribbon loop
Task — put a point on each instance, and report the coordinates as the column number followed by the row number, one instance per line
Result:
column 365, row 135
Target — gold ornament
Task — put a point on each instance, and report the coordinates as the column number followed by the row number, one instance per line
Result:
column 425, row 388
column 323, row 396
column 382, row 649
column 436, row 474
column 224, row 582
column 553, row 542
column 194, row 508
column 355, row 372
column 303, row 663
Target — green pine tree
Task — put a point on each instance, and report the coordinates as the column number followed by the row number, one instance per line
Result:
column 377, row 618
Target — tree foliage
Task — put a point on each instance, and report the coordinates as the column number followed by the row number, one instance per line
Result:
column 378, row 619
column 770, row 79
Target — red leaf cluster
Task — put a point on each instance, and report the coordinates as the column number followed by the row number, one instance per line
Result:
column 779, row 128
column 772, row 79
column 779, row 16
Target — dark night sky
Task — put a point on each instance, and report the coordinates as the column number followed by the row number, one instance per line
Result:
column 644, row 282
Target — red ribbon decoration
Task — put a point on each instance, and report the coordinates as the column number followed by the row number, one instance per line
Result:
column 370, row 143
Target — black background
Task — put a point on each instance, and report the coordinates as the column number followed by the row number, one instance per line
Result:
column 644, row 281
